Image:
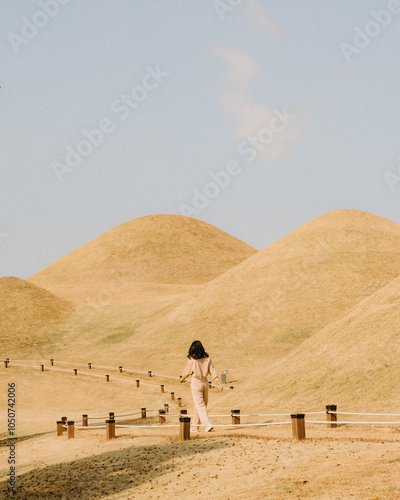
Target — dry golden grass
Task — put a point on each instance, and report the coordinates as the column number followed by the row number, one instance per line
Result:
column 169, row 249
column 353, row 362
column 27, row 310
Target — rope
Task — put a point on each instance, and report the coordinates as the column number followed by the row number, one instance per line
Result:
column 127, row 415
column 130, row 414
column 146, row 426
column 371, row 414
column 68, row 363
column 27, row 366
column 165, row 376
column 252, row 425
column 90, row 427
column 59, row 369
column 121, row 379
column 349, row 423
column 29, row 360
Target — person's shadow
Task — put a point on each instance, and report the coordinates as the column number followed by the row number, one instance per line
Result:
column 107, row 473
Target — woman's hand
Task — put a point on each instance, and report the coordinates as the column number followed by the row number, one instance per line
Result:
column 182, row 381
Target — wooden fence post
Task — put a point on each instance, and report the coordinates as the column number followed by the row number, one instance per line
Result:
column 143, row 412
column 5, row 363
column 42, row 368
column 162, row 388
column 137, row 383
column 149, row 373
column 166, row 407
column 64, row 420
column 60, row 427
column 52, row 362
column 172, row 396
column 84, row 420
column 184, row 428
column 235, row 414
column 71, row 428
column 231, row 387
column 179, row 402
column 110, row 428
column 298, row 426
column 90, row 366
column 76, row 371
column 183, row 412
column 120, row 369
column 331, row 417
column 111, row 415
column 161, row 416
column 107, row 378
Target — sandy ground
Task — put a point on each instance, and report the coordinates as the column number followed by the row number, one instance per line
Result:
column 228, row 463
column 347, row 462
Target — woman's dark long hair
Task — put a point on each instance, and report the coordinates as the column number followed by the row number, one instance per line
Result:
column 196, row 350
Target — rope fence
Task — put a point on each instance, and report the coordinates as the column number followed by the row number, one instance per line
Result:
column 297, row 421
column 10, row 362
column 91, row 366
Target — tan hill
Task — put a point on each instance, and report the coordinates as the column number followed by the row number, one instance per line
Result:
column 259, row 310
column 27, row 310
column 157, row 249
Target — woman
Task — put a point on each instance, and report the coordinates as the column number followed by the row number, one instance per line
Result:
column 199, row 366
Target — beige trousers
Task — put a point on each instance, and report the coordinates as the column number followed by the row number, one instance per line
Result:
column 200, row 398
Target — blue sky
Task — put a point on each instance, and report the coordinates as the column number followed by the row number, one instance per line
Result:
column 255, row 116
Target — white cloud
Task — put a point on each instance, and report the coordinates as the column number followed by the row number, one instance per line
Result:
column 249, row 117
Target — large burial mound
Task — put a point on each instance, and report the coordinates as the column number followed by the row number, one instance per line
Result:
column 270, row 303
column 156, row 249
column 26, row 310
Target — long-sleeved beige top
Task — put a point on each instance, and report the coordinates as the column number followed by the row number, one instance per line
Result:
column 200, row 368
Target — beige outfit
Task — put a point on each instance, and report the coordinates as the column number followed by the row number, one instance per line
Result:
column 199, row 369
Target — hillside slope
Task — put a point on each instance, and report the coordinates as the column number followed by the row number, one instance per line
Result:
column 353, row 362
column 27, row 310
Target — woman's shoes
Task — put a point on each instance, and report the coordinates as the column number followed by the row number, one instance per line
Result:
column 196, row 429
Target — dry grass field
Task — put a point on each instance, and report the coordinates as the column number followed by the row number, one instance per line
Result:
column 308, row 321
